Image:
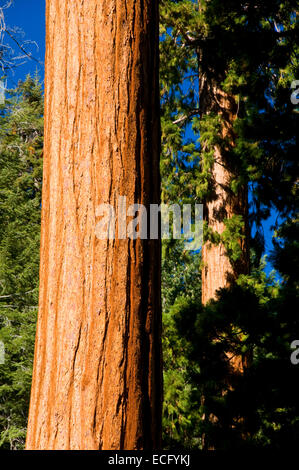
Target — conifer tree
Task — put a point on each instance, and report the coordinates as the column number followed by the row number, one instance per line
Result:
column 229, row 76
column 21, row 142
column 229, row 128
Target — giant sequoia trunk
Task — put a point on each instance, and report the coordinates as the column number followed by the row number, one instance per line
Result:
column 97, row 368
column 218, row 270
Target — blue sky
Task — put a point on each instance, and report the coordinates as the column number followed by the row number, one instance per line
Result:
column 29, row 17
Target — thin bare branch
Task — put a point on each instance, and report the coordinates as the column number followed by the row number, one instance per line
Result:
column 185, row 117
column 21, row 47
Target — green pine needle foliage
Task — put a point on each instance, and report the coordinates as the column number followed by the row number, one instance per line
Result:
column 21, row 143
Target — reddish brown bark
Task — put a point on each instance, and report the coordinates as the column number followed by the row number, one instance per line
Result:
column 97, row 368
column 218, row 270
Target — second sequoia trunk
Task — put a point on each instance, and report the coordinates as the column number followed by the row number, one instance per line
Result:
column 97, row 368
column 218, row 270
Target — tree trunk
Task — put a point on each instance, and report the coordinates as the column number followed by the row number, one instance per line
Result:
column 97, row 368
column 218, row 270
